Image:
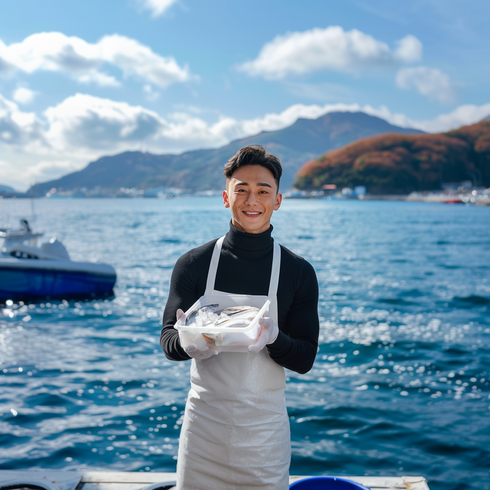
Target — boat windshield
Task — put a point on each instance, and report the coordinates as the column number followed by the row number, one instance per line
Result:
column 22, row 236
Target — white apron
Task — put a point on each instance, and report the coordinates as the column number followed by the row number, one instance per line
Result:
column 235, row 434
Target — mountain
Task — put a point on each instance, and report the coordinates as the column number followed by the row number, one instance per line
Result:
column 5, row 189
column 200, row 170
column 399, row 164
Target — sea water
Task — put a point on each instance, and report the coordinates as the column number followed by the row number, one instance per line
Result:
column 401, row 382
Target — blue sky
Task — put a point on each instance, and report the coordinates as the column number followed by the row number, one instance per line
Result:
column 79, row 80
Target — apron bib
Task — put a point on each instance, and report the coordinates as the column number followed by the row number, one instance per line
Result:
column 235, row 434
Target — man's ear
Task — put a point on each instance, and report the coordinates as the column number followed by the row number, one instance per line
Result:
column 225, row 199
column 278, row 202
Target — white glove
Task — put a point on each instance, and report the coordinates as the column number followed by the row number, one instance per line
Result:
column 267, row 334
column 193, row 350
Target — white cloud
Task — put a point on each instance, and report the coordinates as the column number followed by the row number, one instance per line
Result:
column 332, row 48
column 38, row 172
column 18, row 128
column 136, row 59
column 10, row 176
column 53, row 51
column 427, row 81
column 51, row 169
column 23, row 95
column 93, row 123
column 157, row 7
column 409, row 50
column 461, row 116
column 88, row 124
column 23, row 176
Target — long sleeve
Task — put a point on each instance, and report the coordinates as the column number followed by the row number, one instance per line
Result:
column 187, row 285
column 296, row 349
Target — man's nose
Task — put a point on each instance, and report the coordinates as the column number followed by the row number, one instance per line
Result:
column 252, row 198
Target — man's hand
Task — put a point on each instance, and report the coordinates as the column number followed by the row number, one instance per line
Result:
column 193, row 350
column 267, row 334
column 180, row 317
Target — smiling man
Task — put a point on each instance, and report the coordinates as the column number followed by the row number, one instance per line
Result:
column 235, row 433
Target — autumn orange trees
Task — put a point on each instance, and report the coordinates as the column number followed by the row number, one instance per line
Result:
column 399, row 164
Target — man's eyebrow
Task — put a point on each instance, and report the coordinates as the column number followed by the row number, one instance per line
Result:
column 262, row 184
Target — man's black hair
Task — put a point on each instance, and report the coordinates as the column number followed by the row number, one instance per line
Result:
column 254, row 155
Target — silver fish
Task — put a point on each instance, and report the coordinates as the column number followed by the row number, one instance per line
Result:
column 236, row 316
column 211, row 316
column 201, row 312
column 240, row 316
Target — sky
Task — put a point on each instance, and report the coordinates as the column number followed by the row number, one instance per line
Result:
column 79, row 80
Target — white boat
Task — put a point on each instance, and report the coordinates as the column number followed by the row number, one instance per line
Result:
column 31, row 271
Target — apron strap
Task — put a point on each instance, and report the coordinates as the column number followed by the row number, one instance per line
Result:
column 276, row 269
column 213, row 266
column 274, row 283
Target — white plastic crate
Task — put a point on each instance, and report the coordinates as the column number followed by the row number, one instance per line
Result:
column 231, row 339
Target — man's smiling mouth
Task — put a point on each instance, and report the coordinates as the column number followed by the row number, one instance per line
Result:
column 251, row 213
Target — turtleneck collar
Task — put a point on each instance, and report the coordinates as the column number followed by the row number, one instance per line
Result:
column 249, row 243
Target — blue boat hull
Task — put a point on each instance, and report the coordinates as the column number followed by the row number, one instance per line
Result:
column 28, row 283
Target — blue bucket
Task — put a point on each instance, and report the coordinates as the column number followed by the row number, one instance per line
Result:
column 326, row 483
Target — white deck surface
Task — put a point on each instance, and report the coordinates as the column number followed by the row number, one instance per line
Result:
column 116, row 480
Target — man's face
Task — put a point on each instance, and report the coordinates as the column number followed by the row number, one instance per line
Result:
column 251, row 194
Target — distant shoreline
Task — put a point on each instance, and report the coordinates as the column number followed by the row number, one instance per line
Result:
column 433, row 197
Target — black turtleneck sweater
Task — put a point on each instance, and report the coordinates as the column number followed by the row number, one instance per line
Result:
column 244, row 268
